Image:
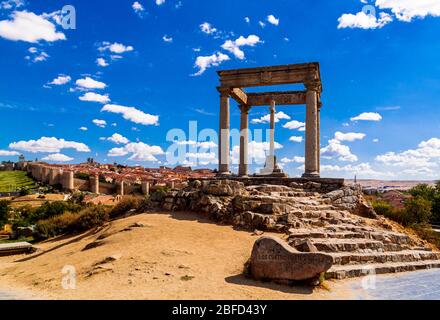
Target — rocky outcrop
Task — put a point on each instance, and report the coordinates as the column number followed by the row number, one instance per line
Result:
column 274, row 259
column 316, row 217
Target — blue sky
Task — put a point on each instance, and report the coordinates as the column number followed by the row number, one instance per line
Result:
column 157, row 72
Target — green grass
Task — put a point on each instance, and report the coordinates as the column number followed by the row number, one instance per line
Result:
column 14, row 180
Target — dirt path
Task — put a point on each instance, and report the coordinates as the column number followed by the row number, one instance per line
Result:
column 177, row 256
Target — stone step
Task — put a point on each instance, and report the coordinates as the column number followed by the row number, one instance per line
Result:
column 351, row 271
column 350, row 258
column 385, row 236
column 348, row 245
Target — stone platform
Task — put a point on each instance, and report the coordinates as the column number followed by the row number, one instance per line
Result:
column 331, row 217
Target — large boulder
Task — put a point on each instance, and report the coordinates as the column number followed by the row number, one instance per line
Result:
column 273, row 259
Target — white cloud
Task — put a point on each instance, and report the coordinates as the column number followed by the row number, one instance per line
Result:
column 266, row 119
column 132, row 114
column 335, row 149
column 60, row 80
column 361, row 20
column 83, row 128
column 36, row 55
column 272, row 20
column 139, row 152
column 205, row 62
column 90, row 83
column 262, row 24
column 46, row 144
column 367, row 116
column 11, row 4
column 29, row 27
column 234, row 46
column 7, row 153
column 102, row 62
column 100, row 123
column 57, row 157
column 118, row 139
column 95, row 97
column 362, row 170
column 247, row 19
column 207, row 28
column 160, row 2
column 407, row 10
column 116, row 47
column 350, row 136
column 295, row 159
column 294, row 124
column 137, row 7
column 167, row 39
column 298, row 139
column 375, row 140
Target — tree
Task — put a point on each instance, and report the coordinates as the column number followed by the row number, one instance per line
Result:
column 423, row 190
column 417, row 210
column 4, row 212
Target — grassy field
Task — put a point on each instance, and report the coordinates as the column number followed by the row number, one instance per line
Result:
column 13, row 180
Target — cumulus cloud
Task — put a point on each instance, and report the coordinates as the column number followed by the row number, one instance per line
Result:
column 57, row 157
column 29, row 27
column 60, row 80
column 137, row 7
column 118, row 139
column 336, row 150
column 46, row 144
column 102, row 62
column 298, row 139
column 294, row 124
column 100, row 123
column 367, row 116
column 11, row 4
column 168, row 39
column 160, row 2
column 272, row 20
column 36, row 55
column 205, row 62
column 362, row 170
column 95, row 97
column 115, row 47
column 7, row 153
column 266, row 119
column 234, row 46
column 138, row 151
column 407, row 10
column 132, row 114
column 207, row 28
column 349, row 136
column 361, row 20
column 295, row 159
column 83, row 128
column 89, row 83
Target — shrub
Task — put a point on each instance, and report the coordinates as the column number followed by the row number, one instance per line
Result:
column 426, row 233
column 4, row 212
column 382, row 208
column 126, row 204
column 56, row 225
column 53, row 209
column 90, row 218
column 424, row 191
column 70, row 222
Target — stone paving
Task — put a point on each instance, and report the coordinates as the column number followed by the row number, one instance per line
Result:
column 420, row 285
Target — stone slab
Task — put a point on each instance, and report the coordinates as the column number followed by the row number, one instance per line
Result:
column 273, row 259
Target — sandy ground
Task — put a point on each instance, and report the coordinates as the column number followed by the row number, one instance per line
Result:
column 177, row 256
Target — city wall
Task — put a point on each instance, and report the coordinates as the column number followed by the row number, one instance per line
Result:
column 53, row 175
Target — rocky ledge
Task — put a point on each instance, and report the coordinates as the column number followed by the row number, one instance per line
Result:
column 337, row 222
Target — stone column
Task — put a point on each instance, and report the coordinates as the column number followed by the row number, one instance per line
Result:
column 312, row 131
column 224, row 134
column 272, row 134
column 243, row 169
column 319, row 139
column 120, row 188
